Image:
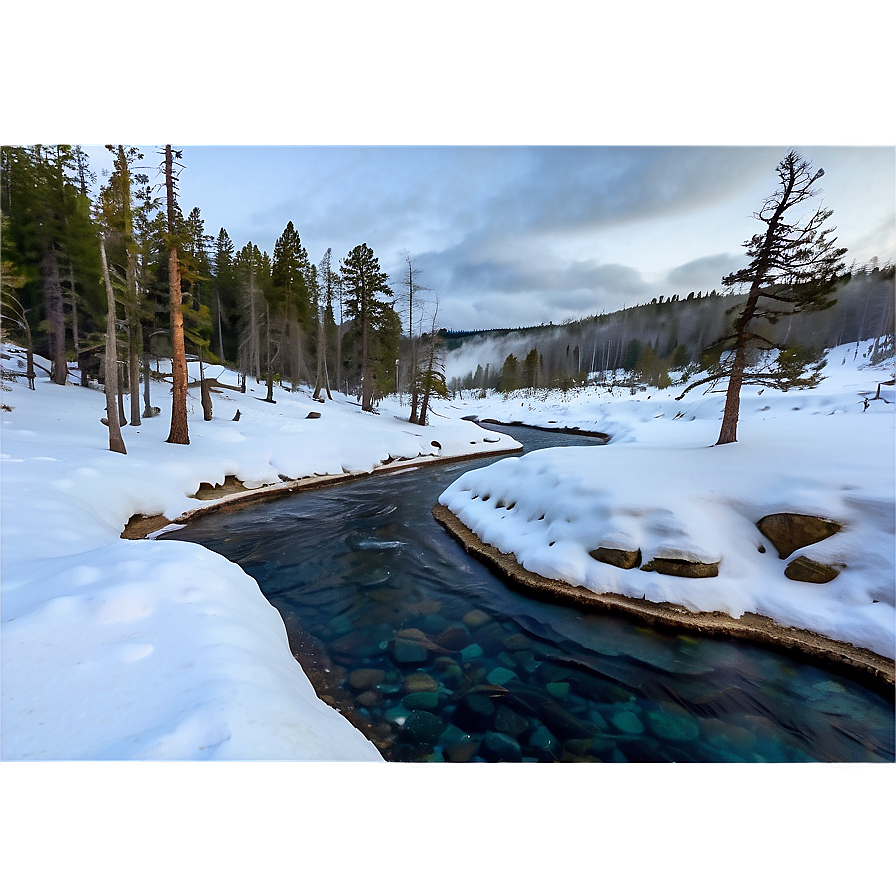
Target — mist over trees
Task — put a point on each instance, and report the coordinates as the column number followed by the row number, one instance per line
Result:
column 647, row 342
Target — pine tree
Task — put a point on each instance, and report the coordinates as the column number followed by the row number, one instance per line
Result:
column 794, row 268
column 179, row 432
column 364, row 281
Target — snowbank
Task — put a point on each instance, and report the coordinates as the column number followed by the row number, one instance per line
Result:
column 662, row 487
column 115, row 649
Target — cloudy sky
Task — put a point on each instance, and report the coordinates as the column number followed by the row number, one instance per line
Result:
column 514, row 236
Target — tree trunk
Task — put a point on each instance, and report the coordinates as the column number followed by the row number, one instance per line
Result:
column 321, row 361
column 52, row 289
column 179, row 432
column 147, row 376
column 204, row 391
column 116, row 442
column 366, row 372
column 121, row 390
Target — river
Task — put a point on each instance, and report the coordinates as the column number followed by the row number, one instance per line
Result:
column 434, row 658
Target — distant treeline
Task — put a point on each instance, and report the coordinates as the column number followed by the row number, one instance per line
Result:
column 656, row 338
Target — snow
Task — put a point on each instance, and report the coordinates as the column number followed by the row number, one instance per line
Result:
column 119, row 649
column 661, row 485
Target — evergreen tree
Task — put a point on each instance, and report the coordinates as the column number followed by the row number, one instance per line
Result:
column 363, row 281
column 794, row 268
column 179, row 432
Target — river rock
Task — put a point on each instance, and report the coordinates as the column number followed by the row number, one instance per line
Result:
column 462, row 751
column 408, row 652
column 420, row 681
column 422, row 727
column 500, row 676
column 525, row 659
column 542, row 742
column 509, row 722
column 674, row 726
column 490, row 638
column 557, row 688
column 369, row 698
column 455, row 637
column 475, row 618
column 364, row 679
column 497, row 747
column 451, row 675
column 789, row 532
column 616, row 557
column 471, row 652
column 688, row 569
column 427, row 700
column 579, row 746
column 802, row 569
column 516, row 641
column 627, row 722
column 313, row 415
column 474, row 712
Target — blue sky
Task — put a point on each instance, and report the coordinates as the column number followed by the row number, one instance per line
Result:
column 516, row 235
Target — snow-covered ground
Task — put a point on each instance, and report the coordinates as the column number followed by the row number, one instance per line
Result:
column 662, row 486
column 117, row 649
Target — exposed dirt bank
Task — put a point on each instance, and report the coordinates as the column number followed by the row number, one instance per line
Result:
column 235, row 493
column 858, row 662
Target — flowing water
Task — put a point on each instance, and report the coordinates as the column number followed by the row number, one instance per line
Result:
column 435, row 658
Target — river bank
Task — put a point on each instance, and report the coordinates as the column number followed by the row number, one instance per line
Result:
column 868, row 667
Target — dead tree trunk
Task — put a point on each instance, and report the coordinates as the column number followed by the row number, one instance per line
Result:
column 116, row 442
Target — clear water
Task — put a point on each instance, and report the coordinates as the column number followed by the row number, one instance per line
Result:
column 436, row 659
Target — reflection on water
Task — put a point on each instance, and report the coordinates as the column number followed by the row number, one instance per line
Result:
column 434, row 658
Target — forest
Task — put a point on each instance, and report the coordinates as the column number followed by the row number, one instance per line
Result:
column 649, row 342
column 112, row 277
column 279, row 318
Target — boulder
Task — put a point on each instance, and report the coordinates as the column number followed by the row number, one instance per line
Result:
column 313, row 415
column 616, row 557
column 688, row 569
column 789, row 532
column 802, row 569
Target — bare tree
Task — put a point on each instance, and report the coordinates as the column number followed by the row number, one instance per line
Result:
column 116, row 442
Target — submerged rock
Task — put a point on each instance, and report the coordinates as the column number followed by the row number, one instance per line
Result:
column 627, row 722
column 475, row 618
column 498, row 747
column 802, row 569
column 544, row 743
column 420, row 681
column 509, row 722
column 423, row 727
column 789, row 532
column 364, row 679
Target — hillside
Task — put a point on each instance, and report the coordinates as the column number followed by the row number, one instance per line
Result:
column 864, row 310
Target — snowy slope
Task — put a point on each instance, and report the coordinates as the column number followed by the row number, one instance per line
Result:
column 661, row 486
column 115, row 649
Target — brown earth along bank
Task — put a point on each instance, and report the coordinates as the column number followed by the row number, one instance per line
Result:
column 873, row 670
column 565, row 430
column 236, row 494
